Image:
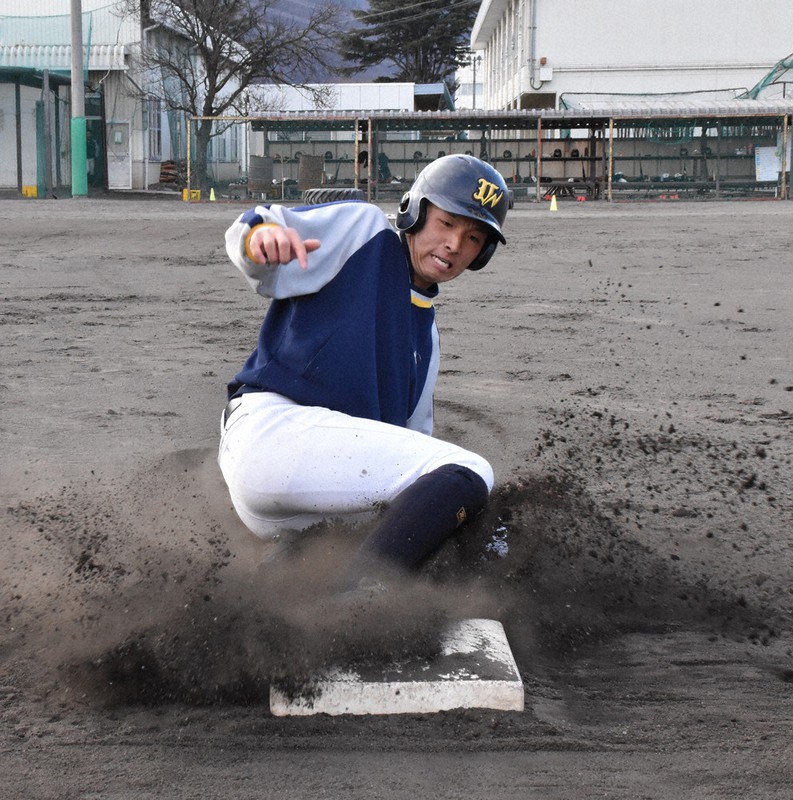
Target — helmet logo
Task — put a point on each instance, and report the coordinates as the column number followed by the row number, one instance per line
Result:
column 488, row 194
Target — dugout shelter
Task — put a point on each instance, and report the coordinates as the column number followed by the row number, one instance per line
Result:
column 681, row 149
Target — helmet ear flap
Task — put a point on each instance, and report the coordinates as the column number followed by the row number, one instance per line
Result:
column 411, row 213
column 484, row 256
column 404, row 219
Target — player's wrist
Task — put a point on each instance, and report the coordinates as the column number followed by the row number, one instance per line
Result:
column 248, row 249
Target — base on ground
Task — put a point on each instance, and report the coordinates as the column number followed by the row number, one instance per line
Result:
column 475, row 668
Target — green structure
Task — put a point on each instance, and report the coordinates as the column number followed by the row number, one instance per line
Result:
column 48, row 148
column 774, row 84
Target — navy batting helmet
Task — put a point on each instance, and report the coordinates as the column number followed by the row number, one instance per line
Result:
column 458, row 184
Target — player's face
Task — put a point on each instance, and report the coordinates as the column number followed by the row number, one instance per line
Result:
column 444, row 246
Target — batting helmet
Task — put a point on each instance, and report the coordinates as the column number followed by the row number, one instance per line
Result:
column 458, row 184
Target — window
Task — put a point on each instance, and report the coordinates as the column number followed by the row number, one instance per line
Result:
column 234, row 143
column 225, row 146
column 153, row 108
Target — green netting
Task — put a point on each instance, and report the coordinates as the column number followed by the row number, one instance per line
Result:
column 775, row 84
column 27, row 41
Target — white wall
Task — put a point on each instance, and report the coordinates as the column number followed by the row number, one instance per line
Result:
column 629, row 46
column 337, row 97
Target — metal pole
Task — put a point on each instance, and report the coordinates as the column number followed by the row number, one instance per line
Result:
column 475, row 59
column 78, row 144
column 783, row 195
column 189, row 136
column 611, row 158
column 144, row 109
column 369, row 164
column 18, row 105
column 45, row 91
column 57, row 128
column 357, row 166
column 539, row 158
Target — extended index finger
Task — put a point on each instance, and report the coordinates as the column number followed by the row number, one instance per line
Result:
column 300, row 247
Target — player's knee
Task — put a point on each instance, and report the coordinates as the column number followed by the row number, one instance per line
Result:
column 476, row 464
column 262, row 517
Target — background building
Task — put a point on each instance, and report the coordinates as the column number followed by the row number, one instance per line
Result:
column 35, row 40
column 530, row 57
column 130, row 130
column 139, row 143
column 537, row 52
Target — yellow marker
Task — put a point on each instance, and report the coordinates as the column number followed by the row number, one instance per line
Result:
column 553, row 203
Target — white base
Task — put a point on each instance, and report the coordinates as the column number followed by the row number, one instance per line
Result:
column 475, row 669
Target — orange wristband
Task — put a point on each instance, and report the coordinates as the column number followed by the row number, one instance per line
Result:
column 248, row 251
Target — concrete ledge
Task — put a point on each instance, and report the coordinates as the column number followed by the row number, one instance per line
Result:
column 474, row 669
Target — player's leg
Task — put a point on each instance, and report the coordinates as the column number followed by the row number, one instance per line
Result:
column 422, row 516
column 288, row 466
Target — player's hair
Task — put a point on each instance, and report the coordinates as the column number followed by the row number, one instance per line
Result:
column 463, row 185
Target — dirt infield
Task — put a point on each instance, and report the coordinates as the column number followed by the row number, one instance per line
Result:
column 627, row 371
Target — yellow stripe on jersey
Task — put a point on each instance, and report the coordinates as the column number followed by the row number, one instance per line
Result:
column 421, row 302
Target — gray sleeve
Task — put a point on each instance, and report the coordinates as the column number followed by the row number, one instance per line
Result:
column 342, row 229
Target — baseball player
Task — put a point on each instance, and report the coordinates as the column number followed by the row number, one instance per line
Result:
column 331, row 415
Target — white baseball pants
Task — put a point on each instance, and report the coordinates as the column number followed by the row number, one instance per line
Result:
column 289, row 466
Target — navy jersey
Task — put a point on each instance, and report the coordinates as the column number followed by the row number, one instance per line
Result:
column 349, row 333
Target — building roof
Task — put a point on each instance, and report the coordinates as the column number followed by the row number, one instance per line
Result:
column 28, row 76
column 747, row 111
column 488, row 17
column 101, row 57
column 429, row 94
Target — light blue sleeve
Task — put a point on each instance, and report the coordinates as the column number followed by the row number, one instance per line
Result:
column 342, row 229
column 421, row 419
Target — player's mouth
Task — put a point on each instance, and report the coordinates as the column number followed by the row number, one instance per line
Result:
column 442, row 262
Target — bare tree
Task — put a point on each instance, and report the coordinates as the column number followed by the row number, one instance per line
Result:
column 203, row 55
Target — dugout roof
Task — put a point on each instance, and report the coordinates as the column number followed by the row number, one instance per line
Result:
column 738, row 111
